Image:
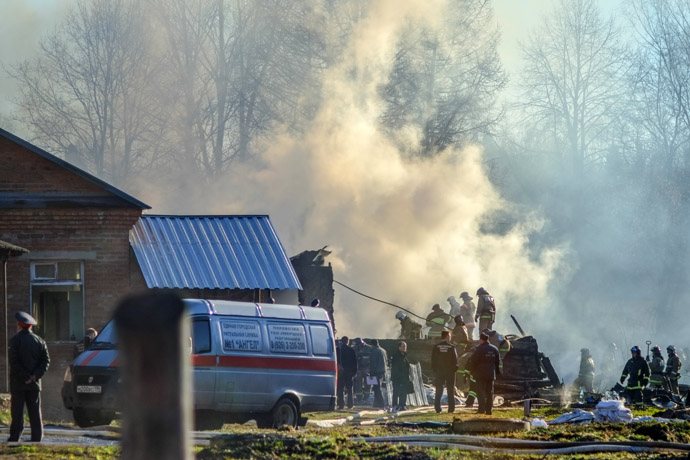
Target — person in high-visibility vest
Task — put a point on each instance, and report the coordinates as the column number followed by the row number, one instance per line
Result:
column 656, row 367
column 464, row 380
column 460, row 334
column 437, row 320
column 585, row 378
column 673, row 366
column 486, row 310
column 468, row 309
column 637, row 372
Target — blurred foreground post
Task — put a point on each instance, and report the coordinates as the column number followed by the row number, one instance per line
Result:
column 154, row 367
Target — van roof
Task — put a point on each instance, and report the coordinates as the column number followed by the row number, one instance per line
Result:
column 255, row 310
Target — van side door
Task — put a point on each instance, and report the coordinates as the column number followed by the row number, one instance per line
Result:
column 240, row 380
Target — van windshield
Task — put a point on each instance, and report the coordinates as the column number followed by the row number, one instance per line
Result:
column 106, row 338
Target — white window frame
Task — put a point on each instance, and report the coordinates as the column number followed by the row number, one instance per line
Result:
column 38, row 281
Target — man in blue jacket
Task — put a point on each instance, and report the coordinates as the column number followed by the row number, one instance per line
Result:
column 29, row 360
column 485, row 365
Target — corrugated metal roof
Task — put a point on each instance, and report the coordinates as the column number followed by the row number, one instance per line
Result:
column 211, row 252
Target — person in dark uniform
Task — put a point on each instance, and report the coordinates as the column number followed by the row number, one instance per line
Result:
column 400, row 376
column 377, row 368
column 29, row 360
column 347, row 368
column 485, row 365
column 444, row 363
column 638, row 370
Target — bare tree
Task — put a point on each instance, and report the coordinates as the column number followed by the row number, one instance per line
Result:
column 662, row 82
column 85, row 95
column 242, row 67
column 573, row 81
column 445, row 82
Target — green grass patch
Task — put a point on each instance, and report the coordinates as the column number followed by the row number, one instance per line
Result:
column 39, row 452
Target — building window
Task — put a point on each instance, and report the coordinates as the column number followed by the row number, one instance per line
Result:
column 57, row 298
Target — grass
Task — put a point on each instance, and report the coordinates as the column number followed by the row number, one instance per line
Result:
column 311, row 442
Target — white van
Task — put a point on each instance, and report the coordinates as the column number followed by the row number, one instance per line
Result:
column 263, row 362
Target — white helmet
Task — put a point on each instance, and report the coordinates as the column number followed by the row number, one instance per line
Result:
column 400, row 315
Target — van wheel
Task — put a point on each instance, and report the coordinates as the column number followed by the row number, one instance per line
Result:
column 85, row 418
column 285, row 413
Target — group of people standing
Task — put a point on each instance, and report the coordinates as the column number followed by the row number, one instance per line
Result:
column 465, row 315
column 652, row 372
column 483, row 366
column 378, row 361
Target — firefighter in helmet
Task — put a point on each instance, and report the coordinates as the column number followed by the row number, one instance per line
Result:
column 656, row 368
column 486, row 310
column 585, row 378
column 409, row 330
column 636, row 370
column 673, row 365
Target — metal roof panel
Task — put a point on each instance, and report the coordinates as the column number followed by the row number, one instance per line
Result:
column 211, row 252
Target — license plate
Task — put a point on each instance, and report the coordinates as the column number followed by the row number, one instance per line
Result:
column 88, row 388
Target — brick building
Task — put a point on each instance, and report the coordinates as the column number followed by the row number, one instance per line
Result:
column 76, row 245
column 76, row 228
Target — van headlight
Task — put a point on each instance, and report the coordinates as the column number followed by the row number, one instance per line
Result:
column 68, row 375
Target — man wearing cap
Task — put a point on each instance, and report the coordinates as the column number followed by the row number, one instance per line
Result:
column 485, row 365
column 29, row 360
column 467, row 311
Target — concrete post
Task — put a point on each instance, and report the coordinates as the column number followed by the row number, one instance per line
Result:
column 153, row 335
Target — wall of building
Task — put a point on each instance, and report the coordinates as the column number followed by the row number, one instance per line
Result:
column 37, row 205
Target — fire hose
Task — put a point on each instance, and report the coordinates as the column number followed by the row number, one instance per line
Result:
column 518, row 446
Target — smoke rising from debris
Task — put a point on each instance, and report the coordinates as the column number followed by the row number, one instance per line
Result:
column 411, row 232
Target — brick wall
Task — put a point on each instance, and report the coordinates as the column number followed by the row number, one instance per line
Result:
column 96, row 236
column 22, row 171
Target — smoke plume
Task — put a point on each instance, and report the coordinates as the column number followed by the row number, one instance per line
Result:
column 411, row 232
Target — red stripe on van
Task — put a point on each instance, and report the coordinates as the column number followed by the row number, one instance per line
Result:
column 88, row 359
column 278, row 363
column 206, row 361
column 115, row 362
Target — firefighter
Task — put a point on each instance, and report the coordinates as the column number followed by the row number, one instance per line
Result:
column 444, row 363
column 437, row 320
column 460, row 334
column 454, row 306
column 468, row 309
column 499, row 341
column 409, row 330
column 486, row 310
column 585, row 378
column 464, row 378
column 656, row 368
column 485, row 366
column 636, row 370
column 673, row 365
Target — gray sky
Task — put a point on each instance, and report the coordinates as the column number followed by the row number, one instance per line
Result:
column 23, row 22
